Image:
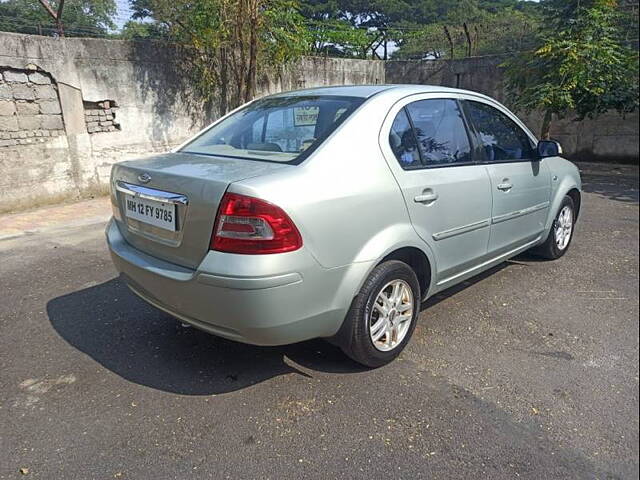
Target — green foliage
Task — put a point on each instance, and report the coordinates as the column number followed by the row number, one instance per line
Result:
column 133, row 30
column 284, row 36
column 582, row 65
column 416, row 27
column 228, row 44
column 471, row 30
column 338, row 38
column 385, row 14
column 80, row 17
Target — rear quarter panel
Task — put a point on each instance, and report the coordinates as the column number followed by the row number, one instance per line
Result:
column 344, row 199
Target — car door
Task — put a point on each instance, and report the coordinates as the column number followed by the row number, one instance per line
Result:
column 448, row 195
column 520, row 182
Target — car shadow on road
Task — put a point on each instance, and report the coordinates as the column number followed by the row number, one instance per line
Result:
column 443, row 295
column 146, row 346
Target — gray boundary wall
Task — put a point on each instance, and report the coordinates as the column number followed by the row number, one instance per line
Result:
column 70, row 108
column 115, row 101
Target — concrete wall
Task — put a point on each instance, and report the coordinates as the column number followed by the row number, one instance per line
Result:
column 610, row 137
column 70, row 108
column 119, row 100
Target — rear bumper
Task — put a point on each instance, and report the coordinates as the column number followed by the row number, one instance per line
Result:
column 258, row 299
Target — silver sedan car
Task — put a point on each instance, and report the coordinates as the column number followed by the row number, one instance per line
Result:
column 334, row 212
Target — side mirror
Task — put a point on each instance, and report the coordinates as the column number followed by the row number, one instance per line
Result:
column 549, row 148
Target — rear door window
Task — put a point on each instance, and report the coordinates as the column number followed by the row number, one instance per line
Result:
column 440, row 131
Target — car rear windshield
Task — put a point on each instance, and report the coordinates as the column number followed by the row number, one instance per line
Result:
column 276, row 129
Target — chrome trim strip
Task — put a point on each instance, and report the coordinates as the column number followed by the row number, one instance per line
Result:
column 488, row 262
column 460, row 230
column 151, row 193
column 519, row 213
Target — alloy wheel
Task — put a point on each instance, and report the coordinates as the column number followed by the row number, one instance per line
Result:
column 391, row 315
column 564, row 227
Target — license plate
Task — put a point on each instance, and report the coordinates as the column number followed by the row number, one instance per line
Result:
column 154, row 213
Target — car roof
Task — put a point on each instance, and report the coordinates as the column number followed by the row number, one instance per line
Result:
column 366, row 91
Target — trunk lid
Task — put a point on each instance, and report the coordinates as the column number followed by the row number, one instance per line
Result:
column 189, row 185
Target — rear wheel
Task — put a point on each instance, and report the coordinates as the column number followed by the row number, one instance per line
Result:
column 561, row 234
column 383, row 316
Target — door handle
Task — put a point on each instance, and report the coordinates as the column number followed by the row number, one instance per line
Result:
column 428, row 196
column 505, row 187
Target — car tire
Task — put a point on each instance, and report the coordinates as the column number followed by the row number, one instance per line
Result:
column 561, row 234
column 392, row 286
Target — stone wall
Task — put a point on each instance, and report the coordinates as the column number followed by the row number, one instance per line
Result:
column 118, row 100
column 71, row 107
column 29, row 108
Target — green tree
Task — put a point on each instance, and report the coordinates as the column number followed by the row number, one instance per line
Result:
column 385, row 14
column 133, row 30
column 339, row 38
column 227, row 43
column 582, row 65
column 352, row 28
column 79, row 17
column 416, row 27
column 471, row 30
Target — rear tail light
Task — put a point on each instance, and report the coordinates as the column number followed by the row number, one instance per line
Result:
column 252, row 226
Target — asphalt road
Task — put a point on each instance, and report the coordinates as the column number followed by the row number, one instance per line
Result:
column 530, row 371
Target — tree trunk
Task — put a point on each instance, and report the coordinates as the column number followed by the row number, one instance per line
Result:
column 56, row 15
column 545, row 133
column 59, row 18
column 468, row 36
column 446, row 32
column 241, row 72
column 253, row 50
column 224, row 80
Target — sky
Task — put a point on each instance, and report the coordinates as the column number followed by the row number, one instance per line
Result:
column 124, row 12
